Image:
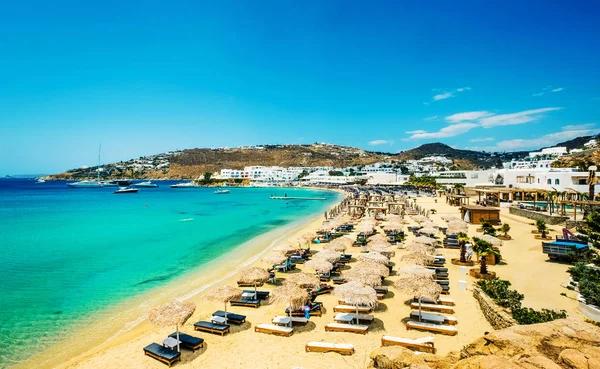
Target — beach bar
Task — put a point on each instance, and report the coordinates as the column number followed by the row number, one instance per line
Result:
column 473, row 213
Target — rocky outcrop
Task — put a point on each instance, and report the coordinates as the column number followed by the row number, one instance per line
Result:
column 495, row 315
column 561, row 344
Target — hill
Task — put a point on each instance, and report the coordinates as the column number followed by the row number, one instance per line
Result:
column 582, row 160
column 576, row 143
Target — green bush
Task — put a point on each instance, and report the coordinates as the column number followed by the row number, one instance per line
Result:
column 530, row 316
column 589, row 282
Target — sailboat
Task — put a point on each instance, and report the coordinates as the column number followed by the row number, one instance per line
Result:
column 87, row 183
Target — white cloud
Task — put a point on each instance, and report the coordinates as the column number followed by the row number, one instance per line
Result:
column 449, row 131
column 574, row 127
column 513, row 118
column 482, row 139
column 557, row 89
column 381, row 142
column 463, row 89
column 567, row 133
column 431, row 118
column 468, row 116
column 445, row 95
column 416, row 131
column 538, row 94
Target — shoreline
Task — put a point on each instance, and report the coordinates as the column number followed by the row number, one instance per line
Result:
column 126, row 320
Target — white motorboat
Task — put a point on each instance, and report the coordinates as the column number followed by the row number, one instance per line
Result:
column 86, row 184
column 126, row 190
column 146, row 184
column 185, row 185
column 221, row 191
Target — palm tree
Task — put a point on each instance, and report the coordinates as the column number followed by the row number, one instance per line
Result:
column 483, row 249
column 504, row 229
column 541, row 227
column 591, row 181
column 462, row 241
column 552, row 198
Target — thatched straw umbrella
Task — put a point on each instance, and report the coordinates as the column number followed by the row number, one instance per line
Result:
column 393, row 226
column 285, row 248
column 425, row 240
column 328, row 255
column 420, row 218
column 373, row 268
column 375, row 257
column 420, row 247
column 378, row 238
column 320, row 266
column 496, row 242
column 419, row 284
column 254, row 276
column 429, row 224
column 290, row 294
column 365, row 228
column 173, row 313
column 274, row 258
column 305, row 237
column 224, row 294
column 449, row 218
column 385, row 250
column 304, row 280
column 356, row 293
column 363, row 277
column 418, row 258
column 428, row 230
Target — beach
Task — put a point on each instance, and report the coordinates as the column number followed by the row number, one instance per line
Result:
column 523, row 264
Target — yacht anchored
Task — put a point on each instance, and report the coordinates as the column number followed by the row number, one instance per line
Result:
column 126, row 190
column 88, row 183
column 146, row 184
column 185, row 185
column 221, row 191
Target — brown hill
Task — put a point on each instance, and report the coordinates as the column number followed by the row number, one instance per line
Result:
column 581, row 160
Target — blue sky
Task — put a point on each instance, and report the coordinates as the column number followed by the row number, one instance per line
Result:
column 147, row 77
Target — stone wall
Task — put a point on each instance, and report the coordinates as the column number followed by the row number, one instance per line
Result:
column 554, row 219
column 498, row 318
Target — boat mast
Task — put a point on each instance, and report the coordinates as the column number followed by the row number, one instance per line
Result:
column 98, row 168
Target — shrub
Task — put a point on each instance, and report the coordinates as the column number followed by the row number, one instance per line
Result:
column 530, row 316
column 589, row 282
column 488, row 228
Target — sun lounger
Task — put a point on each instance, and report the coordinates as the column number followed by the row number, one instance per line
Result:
column 189, row 342
column 441, row 275
column 339, row 280
column 424, row 344
column 350, row 317
column 352, row 309
column 439, row 269
column 432, row 307
column 438, row 328
column 260, row 295
column 323, row 289
column 315, row 310
column 162, row 354
column 209, row 327
column 443, row 283
column 340, row 327
column 245, row 302
column 340, row 348
column 244, row 284
column 231, row 317
column 294, row 320
column 274, row 329
column 345, row 258
column 434, row 318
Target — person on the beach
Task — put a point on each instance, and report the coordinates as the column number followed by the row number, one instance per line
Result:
column 469, row 248
column 307, row 310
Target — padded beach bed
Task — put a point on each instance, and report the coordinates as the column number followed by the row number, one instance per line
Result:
column 245, row 302
column 236, row 319
column 209, row 327
column 162, row 354
column 189, row 342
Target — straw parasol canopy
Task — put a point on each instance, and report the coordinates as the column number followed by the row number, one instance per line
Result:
column 356, row 293
column 284, row 248
column 173, row 313
column 393, row 226
column 449, row 218
column 420, row 218
column 496, row 242
column 305, row 237
column 415, row 269
column 303, row 280
column 385, row 250
column 420, row 247
column 374, row 257
column 328, row 255
column 418, row 284
column 224, row 294
column 425, row 240
column 378, row 238
column 418, row 258
column 291, row 295
column 274, row 258
column 254, row 276
column 429, row 224
column 363, row 277
column 365, row 228
column 457, row 226
column 373, row 268
column 428, row 230
column 320, row 266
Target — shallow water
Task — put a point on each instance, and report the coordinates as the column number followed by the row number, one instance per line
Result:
column 70, row 253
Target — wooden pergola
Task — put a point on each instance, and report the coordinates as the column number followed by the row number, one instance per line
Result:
column 457, row 200
column 575, row 204
column 511, row 194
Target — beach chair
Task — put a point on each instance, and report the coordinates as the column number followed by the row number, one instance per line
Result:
column 338, row 280
column 439, row 269
column 236, row 319
column 442, row 300
column 432, row 307
column 441, row 276
column 245, row 302
column 322, row 289
column 297, row 259
column 350, row 317
column 340, row 348
column 443, row 283
column 274, row 329
column 260, row 295
column 352, row 328
column 424, row 344
column 434, row 318
column 244, row 284
column 214, row 328
column 381, row 289
column 352, row 309
column 345, row 258
column 162, row 354
column 189, row 342
column 325, row 277
column 294, row 320
column 430, row 327
column 315, row 310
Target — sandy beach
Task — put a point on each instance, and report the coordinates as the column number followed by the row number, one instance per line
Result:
column 523, row 264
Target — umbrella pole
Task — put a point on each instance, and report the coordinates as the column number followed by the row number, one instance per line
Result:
column 419, row 308
column 225, row 312
column 255, row 293
column 177, row 327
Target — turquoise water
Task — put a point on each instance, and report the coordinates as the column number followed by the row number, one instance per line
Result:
column 69, row 253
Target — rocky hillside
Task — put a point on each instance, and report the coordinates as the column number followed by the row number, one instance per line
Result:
column 560, row 344
column 581, row 160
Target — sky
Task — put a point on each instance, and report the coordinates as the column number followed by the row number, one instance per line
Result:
column 144, row 77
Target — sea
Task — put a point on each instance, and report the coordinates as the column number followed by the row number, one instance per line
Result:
column 67, row 254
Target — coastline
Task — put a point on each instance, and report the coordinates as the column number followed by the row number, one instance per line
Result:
column 127, row 321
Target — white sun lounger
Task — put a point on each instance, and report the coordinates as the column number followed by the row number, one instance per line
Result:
column 434, row 317
column 433, row 307
column 351, row 309
column 438, row 328
column 339, row 327
column 424, row 344
column 442, row 300
column 274, row 329
column 349, row 317
column 340, row 348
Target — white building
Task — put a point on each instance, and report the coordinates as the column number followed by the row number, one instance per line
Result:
column 550, row 151
column 323, row 176
column 385, row 178
column 560, row 179
column 467, row 178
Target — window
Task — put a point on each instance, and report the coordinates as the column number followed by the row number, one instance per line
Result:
column 549, row 181
column 538, row 180
column 556, row 181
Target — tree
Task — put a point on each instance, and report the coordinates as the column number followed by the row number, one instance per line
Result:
column 207, row 177
column 504, row 228
column 336, row 173
column 487, row 228
column 404, row 170
column 541, row 227
column 591, row 181
column 483, row 249
column 463, row 238
column 303, row 174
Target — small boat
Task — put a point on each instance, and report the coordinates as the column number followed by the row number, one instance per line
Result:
column 221, row 191
column 126, row 190
column 117, row 183
column 86, row 184
column 40, row 180
column 185, row 185
column 147, row 184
